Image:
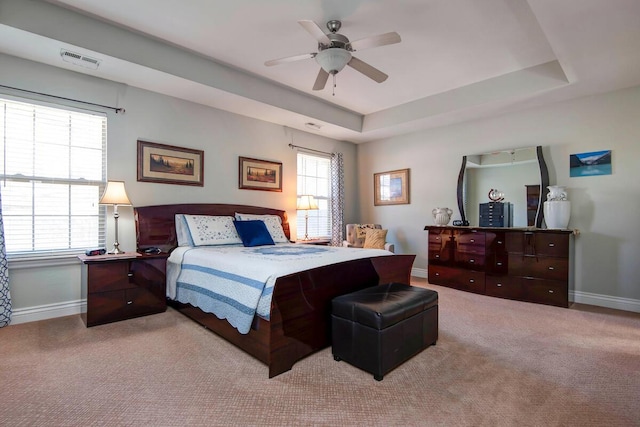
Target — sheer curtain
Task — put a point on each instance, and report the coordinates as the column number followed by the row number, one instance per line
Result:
column 5, row 296
column 337, row 199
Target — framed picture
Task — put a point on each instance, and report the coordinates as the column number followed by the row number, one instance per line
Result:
column 169, row 164
column 590, row 164
column 258, row 174
column 391, row 188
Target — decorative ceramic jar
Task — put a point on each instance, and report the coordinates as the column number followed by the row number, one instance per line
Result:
column 557, row 208
column 442, row 216
column 556, row 192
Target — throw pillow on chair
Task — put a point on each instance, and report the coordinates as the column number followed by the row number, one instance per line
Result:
column 375, row 239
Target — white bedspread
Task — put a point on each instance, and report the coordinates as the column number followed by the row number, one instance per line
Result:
column 236, row 283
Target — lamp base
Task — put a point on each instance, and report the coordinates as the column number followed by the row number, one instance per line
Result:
column 116, row 249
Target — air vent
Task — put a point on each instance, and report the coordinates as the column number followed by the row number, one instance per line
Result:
column 79, row 59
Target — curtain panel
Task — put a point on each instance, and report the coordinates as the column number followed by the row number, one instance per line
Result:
column 5, row 296
column 337, row 199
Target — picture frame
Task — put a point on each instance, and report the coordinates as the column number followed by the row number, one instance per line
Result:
column 593, row 163
column 169, row 164
column 391, row 188
column 256, row 174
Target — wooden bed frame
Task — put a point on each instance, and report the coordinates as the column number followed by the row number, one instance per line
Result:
column 301, row 304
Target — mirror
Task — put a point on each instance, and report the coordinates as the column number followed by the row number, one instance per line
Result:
column 520, row 174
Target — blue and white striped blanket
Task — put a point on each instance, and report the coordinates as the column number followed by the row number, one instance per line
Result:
column 236, row 283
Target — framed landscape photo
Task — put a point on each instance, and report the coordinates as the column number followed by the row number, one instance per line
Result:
column 391, row 188
column 258, row 174
column 169, row 164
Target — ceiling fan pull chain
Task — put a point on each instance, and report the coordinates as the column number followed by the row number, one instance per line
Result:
column 334, row 84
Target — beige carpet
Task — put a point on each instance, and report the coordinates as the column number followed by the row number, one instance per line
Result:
column 497, row 363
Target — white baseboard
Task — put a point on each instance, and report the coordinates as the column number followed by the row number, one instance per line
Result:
column 48, row 311
column 618, row 303
column 419, row 272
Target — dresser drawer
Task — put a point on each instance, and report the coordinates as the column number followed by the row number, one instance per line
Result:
column 465, row 280
column 551, row 292
column 470, row 242
column 503, row 287
column 542, row 267
column 530, row 243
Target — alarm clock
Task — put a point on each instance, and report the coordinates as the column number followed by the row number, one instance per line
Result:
column 93, row 252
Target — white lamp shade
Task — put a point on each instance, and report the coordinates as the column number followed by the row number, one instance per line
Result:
column 333, row 60
column 115, row 194
column 307, row 203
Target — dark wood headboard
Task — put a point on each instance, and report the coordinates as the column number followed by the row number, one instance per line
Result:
column 155, row 225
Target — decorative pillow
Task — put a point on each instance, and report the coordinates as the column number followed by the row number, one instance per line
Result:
column 273, row 223
column 253, row 233
column 361, row 230
column 211, row 230
column 182, row 231
column 375, row 239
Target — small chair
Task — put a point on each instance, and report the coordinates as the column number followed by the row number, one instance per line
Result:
column 356, row 234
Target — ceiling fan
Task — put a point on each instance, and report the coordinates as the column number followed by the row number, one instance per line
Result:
column 335, row 52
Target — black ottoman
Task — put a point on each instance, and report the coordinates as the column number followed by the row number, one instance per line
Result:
column 377, row 329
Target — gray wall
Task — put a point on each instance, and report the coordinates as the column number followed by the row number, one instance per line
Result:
column 223, row 136
column 604, row 208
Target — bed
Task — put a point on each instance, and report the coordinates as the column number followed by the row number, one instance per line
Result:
column 298, row 316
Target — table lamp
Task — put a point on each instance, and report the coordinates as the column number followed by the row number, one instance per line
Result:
column 115, row 194
column 307, row 203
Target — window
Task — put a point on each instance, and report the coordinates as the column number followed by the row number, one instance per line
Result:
column 314, row 178
column 53, row 170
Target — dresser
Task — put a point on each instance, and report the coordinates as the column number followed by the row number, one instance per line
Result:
column 533, row 265
column 119, row 287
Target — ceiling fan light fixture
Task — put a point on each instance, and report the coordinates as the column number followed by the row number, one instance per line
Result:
column 333, row 60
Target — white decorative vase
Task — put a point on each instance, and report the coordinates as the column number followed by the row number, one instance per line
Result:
column 442, row 216
column 557, row 209
column 556, row 192
column 557, row 213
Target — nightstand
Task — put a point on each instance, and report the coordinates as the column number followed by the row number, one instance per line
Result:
column 119, row 287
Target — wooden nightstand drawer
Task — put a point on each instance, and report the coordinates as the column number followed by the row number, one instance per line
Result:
column 111, row 276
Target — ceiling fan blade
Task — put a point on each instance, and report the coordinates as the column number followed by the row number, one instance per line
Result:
column 290, row 59
column 375, row 41
column 315, row 30
column 321, row 80
column 367, row 70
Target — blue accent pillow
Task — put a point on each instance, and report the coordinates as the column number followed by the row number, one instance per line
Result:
column 253, row 233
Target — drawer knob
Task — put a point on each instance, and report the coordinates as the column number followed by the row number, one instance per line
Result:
column 471, row 281
column 550, row 291
column 129, row 302
column 498, row 264
column 472, row 241
column 551, row 245
column 551, row 268
column 499, row 242
column 472, row 261
column 437, row 256
column 499, row 285
column 437, row 274
column 129, row 274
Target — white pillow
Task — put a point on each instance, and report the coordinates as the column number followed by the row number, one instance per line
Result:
column 273, row 223
column 182, row 231
column 209, row 230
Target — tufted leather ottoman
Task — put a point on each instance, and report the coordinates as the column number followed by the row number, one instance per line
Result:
column 377, row 329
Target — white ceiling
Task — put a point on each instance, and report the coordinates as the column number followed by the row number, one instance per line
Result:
column 458, row 59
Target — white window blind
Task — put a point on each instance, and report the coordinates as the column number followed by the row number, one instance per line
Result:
column 53, row 164
column 314, row 178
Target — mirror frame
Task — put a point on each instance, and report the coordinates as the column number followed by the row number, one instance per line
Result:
column 544, row 183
